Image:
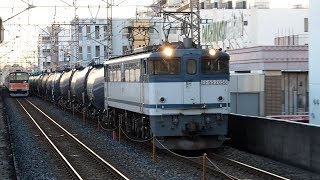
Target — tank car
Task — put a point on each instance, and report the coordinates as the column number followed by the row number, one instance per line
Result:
column 64, row 85
column 42, row 86
column 53, row 83
column 95, row 90
column 34, row 84
column 48, row 86
column 178, row 95
column 78, row 86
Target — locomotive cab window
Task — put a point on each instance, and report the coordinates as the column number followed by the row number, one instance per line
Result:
column 191, row 66
column 159, row 66
column 214, row 65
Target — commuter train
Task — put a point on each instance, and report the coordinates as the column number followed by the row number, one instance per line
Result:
column 178, row 95
column 17, row 83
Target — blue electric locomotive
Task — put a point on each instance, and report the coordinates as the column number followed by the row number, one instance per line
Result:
column 178, row 95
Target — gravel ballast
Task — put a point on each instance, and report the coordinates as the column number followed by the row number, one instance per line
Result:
column 36, row 162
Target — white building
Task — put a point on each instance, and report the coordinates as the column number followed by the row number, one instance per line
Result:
column 53, row 47
column 239, row 28
column 89, row 41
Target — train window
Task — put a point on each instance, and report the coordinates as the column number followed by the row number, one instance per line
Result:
column 127, row 74
column 132, row 75
column 137, row 75
column 144, row 67
column 191, row 66
column 223, row 66
column 210, row 66
column 111, row 74
column 19, row 76
column 159, row 66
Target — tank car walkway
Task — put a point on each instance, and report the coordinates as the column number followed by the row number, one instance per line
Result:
column 6, row 165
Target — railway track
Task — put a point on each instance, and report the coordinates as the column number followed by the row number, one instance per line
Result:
column 253, row 172
column 80, row 160
column 215, row 165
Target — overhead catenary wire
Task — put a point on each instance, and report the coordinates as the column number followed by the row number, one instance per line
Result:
column 66, row 5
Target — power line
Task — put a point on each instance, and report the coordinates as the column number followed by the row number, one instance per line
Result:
column 80, row 6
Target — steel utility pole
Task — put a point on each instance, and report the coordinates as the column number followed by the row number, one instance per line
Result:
column 187, row 19
column 109, row 30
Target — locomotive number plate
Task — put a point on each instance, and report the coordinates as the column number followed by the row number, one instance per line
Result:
column 214, row 82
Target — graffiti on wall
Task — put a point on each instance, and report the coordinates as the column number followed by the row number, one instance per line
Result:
column 224, row 32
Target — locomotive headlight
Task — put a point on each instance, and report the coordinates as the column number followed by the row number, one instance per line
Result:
column 168, row 51
column 220, row 98
column 212, row 52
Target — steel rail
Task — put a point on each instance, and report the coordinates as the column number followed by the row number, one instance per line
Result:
column 66, row 162
column 116, row 172
column 252, row 169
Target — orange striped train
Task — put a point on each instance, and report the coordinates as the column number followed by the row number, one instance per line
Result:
column 17, row 83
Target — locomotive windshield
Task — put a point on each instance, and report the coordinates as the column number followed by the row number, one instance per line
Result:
column 214, row 65
column 19, row 76
column 160, row 66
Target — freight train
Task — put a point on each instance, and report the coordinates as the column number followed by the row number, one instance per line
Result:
column 17, row 83
column 176, row 94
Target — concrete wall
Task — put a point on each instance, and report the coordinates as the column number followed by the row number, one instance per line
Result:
column 291, row 142
column 242, row 84
column 238, row 28
column 269, row 58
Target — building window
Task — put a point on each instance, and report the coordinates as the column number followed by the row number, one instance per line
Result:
column 97, row 30
column 306, row 25
column 46, row 64
column 46, row 51
column 105, row 51
column 80, row 49
column 46, row 39
column 88, row 31
column 97, row 51
column 80, row 53
column 88, row 53
column 245, row 23
column 124, row 49
column 80, row 29
column 104, row 31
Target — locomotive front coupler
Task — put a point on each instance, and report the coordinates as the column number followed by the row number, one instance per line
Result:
column 191, row 129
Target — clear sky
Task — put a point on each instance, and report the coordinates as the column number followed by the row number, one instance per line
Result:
column 21, row 30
